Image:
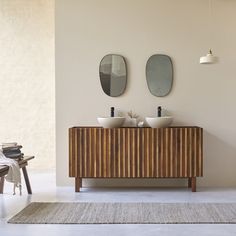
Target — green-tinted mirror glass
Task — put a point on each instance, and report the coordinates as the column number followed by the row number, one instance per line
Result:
column 159, row 74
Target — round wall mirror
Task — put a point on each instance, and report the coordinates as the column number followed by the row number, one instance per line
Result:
column 113, row 75
column 159, row 75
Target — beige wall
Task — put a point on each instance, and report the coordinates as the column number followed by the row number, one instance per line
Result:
column 27, row 78
column 202, row 95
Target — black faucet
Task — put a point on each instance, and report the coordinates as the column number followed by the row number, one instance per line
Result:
column 112, row 111
column 159, row 111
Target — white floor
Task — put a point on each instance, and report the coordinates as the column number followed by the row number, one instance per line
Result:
column 43, row 186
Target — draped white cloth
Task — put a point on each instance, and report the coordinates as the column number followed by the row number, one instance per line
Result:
column 13, row 174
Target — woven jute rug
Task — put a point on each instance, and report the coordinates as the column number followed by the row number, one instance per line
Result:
column 126, row 213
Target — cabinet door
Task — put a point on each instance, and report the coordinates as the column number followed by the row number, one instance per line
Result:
column 104, row 153
column 173, row 152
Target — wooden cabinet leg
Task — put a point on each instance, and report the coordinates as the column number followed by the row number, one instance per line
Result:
column 2, row 183
column 193, row 184
column 27, row 182
column 189, row 182
column 78, row 184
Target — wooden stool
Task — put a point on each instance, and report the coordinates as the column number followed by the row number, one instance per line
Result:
column 22, row 164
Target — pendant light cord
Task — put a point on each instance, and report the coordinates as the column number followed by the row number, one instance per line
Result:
column 210, row 23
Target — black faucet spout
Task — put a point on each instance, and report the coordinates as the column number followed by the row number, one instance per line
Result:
column 112, row 111
column 159, row 111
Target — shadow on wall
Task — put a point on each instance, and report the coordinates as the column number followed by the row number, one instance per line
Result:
column 136, row 182
column 219, row 162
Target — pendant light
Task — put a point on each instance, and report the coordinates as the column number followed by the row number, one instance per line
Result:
column 209, row 58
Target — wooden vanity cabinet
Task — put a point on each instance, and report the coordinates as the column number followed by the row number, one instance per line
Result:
column 173, row 152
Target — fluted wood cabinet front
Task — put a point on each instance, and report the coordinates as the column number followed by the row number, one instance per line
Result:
column 171, row 152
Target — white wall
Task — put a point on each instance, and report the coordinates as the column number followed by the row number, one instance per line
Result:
column 202, row 95
column 27, row 78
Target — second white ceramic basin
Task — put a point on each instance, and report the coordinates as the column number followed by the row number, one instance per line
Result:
column 111, row 122
column 159, row 122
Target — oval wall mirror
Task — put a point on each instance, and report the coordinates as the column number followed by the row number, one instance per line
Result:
column 159, row 74
column 113, row 75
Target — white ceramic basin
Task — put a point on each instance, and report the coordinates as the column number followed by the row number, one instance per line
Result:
column 111, row 122
column 159, row 122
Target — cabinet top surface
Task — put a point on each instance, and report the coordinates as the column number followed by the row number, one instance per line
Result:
column 100, row 127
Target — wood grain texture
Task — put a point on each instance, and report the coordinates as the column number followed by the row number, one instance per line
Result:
column 171, row 152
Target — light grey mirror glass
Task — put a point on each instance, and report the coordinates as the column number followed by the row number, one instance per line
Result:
column 159, row 74
column 113, row 75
